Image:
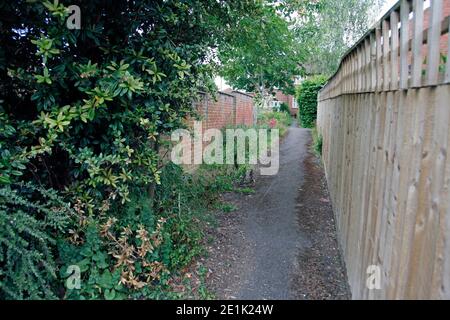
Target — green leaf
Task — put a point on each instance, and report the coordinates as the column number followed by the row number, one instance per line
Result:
column 105, row 280
column 91, row 114
column 109, row 294
column 5, row 179
column 16, row 173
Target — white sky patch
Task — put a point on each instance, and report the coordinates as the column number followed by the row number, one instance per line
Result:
column 390, row 3
column 221, row 83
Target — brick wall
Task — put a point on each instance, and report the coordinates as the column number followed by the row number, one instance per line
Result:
column 244, row 109
column 227, row 109
column 216, row 114
column 234, row 108
column 444, row 38
column 443, row 47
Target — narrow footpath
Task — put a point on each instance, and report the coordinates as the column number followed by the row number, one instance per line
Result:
column 281, row 242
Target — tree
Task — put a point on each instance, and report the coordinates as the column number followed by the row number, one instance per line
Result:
column 261, row 53
column 326, row 29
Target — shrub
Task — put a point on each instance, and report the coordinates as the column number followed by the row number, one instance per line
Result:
column 307, row 100
column 275, row 120
column 81, row 116
column 32, row 220
column 283, row 119
column 285, row 108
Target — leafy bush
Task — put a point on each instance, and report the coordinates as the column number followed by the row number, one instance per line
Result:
column 31, row 219
column 81, row 116
column 285, row 108
column 134, row 253
column 307, row 100
column 278, row 120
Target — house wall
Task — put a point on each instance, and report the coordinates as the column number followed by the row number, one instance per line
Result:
column 288, row 99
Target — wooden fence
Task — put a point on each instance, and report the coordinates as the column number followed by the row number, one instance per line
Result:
column 384, row 117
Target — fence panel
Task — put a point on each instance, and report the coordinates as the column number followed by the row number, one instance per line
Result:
column 384, row 117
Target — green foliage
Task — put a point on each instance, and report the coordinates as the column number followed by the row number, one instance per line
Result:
column 326, row 29
column 307, row 100
column 317, row 142
column 268, row 121
column 81, row 116
column 278, row 120
column 285, row 108
column 31, row 219
column 228, row 207
column 89, row 106
column 98, row 279
column 246, row 190
column 261, row 53
column 203, row 291
column 134, row 254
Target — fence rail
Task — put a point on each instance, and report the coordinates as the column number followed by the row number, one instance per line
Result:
column 384, row 117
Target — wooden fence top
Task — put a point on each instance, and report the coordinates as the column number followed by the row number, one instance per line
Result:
column 406, row 48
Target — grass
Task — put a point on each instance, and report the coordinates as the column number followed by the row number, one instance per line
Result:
column 245, row 190
column 228, row 207
column 317, row 142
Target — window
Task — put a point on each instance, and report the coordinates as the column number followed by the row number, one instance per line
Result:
column 276, row 104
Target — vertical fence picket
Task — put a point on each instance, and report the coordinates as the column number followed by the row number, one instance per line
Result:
column 367, row 62
column 434, row 36
column 373, row 56
column 386, row 70
column 394, row 50
column 359, row 59
column 404, row 44
column 379, row 61
column 417, row 44
column 355, row 71
column 347, row 76
column 447, row 69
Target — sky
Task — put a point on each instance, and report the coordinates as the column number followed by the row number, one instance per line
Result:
column 389, row 4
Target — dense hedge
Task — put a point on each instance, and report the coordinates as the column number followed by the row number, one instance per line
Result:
column 81, row 116
column 307, row 100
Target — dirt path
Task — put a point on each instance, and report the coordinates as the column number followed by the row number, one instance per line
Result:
column 280, row 243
